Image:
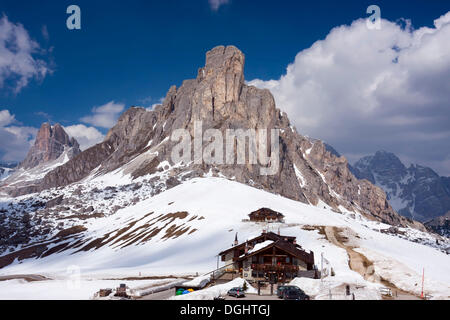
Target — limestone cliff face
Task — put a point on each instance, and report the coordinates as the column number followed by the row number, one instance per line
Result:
column 140, row 144
column 50, row 143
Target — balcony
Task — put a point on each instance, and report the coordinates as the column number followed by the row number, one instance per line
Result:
column 275, row 268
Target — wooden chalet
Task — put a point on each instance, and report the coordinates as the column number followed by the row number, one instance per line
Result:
column 269, row 257
column 266, row 215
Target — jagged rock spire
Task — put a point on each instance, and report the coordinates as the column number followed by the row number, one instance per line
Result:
column 51, row 142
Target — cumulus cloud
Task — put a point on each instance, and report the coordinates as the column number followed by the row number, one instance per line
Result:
column 6, row 118
column 104, row 116
column 18, row 61
column 15, row 139
column 86, row 136
column 362, row 90
column 216, row 4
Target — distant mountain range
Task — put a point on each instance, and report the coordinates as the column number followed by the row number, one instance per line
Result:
column 416, row 192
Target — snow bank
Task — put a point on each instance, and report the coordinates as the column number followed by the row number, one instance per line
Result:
column 199, row 282
column 63, row 289
column 216, row 291
column 334, row 288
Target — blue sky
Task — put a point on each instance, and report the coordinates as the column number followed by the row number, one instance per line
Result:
column 131, row 52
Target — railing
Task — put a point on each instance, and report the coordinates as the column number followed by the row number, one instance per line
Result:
column 276, row 268
column 215, row 274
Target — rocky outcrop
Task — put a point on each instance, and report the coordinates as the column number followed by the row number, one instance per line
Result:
column 140, row 144
column 416, row 192
column 51, row 142
column 52, row 148
column 440, row 225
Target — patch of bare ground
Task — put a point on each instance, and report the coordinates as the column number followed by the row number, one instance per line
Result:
column 174, row 232
column 30, row 252
column 106, row 240
column 71, row 231
column 72, row 238
column 174, row 216
column 321, row 229
column 26, row 277
column 83, row 216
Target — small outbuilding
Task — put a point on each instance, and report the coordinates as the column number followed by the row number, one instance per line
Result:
column 266, row 215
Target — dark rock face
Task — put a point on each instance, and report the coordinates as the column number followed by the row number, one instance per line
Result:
column 54, row 202
column 49, row 145
column 416, row 192
column 140, row 143
column 446, row 183
column 440, row 225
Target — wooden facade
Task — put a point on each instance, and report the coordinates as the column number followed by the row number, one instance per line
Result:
column 269, row 257
column 266, row 215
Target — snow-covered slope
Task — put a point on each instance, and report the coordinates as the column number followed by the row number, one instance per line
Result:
column 22, row 176
column 181, row 231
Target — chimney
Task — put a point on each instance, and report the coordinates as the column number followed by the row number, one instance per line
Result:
column 246, row 247
column 236, row 242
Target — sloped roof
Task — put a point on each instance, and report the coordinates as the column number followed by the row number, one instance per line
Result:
column 268, row 236
column 265, row 211
column 288, row 247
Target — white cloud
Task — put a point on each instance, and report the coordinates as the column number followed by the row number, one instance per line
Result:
column 15, row 140
column 18, row 62
column 105, row 116
column 5, row 118
column 216, row 4
column 86, row 136
column 363, row 90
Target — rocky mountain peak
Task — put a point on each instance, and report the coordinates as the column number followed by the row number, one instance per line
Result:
column 222, row 77
column 50, row 143
column 141, row 145
column 223, row 61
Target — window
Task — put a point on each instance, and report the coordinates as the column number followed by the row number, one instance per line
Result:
column 288, row 260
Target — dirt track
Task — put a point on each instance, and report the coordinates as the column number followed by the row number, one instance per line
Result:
column 359, row 263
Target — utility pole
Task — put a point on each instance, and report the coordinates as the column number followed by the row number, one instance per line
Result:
column 321, row 268
column 423, row 284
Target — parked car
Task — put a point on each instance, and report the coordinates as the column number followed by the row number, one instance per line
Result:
column 281, row 289
column 295, row 294
column 237, row 293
